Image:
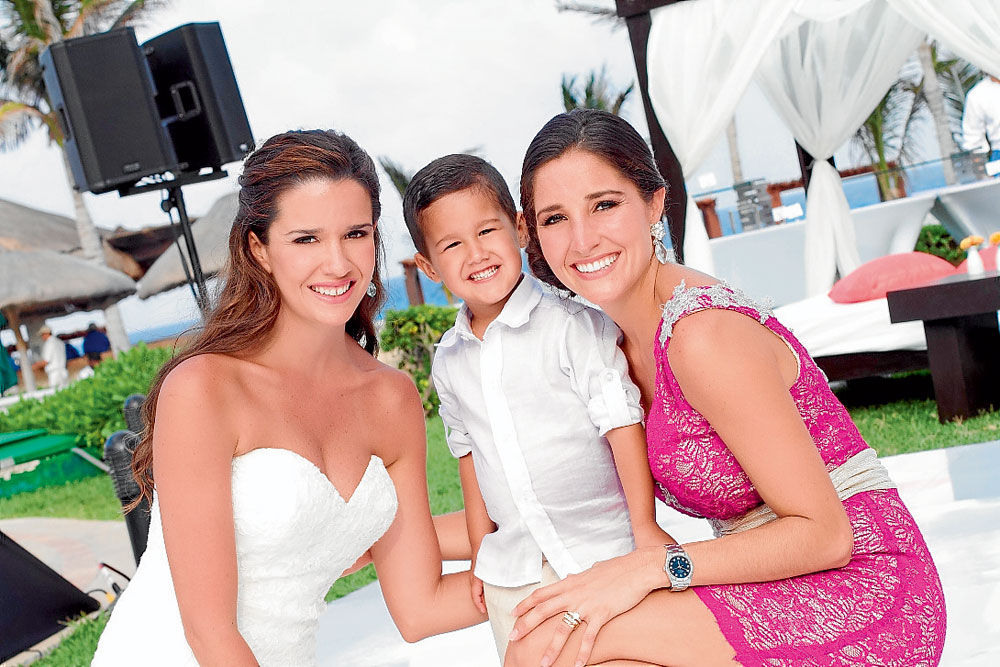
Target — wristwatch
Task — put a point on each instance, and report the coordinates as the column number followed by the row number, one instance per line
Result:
column 678, row 567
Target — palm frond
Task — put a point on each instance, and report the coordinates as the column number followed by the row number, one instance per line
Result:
column 597, row 92
column 567, row 85
column 51, row 30
column 600, row 13
column 19, row 120
column 399, row 176
column 136, row 12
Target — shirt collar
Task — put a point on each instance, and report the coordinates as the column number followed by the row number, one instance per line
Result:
column 515, row 312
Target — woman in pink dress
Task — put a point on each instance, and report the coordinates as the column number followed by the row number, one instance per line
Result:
column 816, row 561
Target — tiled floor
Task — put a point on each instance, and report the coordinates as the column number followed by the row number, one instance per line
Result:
column 953, row 493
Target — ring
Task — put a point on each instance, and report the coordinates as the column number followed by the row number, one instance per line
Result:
column 572, row 619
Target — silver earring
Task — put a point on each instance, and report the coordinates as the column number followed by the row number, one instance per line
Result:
column 657, row 231
column 372, row 290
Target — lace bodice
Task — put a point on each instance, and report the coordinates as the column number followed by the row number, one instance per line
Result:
column 295, row 534
column 693, row 469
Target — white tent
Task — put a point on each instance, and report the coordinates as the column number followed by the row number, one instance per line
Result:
column 824, row 64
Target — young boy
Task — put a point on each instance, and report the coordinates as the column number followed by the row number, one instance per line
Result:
column 533, row 389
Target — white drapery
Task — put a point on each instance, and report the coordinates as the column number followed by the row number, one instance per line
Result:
column 968, row 28
column 702, row 56
column 824, row 77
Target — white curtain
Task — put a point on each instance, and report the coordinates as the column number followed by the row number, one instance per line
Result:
column 824, row 77
column 969, row 28
column 702, row 56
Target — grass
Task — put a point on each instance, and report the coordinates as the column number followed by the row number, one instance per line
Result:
column 897, row 415
column 78, row 647
column 90, row 498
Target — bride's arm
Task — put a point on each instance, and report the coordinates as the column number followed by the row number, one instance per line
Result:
column 192, row 459
column 421, row 600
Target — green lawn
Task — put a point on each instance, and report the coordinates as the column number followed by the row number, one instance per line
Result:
column 898, row 415
column 90, row 498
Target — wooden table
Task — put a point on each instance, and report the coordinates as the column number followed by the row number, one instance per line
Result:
column 963, row 341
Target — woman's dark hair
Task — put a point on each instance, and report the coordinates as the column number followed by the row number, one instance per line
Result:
column 605, row 135
column 249, row 300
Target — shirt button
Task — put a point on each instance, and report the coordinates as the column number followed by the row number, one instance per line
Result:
column 610, row 376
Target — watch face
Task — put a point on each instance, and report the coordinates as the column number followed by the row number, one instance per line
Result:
column 680, row 567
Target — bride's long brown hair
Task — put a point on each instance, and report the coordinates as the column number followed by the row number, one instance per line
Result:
column 249, row 300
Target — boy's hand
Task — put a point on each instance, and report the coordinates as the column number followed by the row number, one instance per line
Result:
column 650, row 534
column 478, row 597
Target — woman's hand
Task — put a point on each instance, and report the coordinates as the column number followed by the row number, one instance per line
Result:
column 599, row 594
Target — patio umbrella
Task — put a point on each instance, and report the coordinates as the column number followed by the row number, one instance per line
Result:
column 43, row 283
column 211, row 238
column 24, row 228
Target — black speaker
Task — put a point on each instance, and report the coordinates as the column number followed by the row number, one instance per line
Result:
column 100, row 88
column 197, row 96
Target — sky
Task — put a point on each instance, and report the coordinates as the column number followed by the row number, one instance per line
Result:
column 409, row 80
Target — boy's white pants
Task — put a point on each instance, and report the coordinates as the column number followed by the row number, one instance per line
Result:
column 500, row 602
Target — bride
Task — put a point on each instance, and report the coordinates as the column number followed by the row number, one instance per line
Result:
column 282, row 449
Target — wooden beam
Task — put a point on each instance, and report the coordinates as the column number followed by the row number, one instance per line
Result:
column 639, row 22
column 27, row 374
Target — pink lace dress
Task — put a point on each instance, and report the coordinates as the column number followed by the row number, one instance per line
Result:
column 884, row 608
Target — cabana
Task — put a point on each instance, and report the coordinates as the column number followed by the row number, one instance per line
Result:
column 35, row 284
column 824, row 65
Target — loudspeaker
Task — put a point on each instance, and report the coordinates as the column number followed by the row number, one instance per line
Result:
column 197, row 96
column 100, row 88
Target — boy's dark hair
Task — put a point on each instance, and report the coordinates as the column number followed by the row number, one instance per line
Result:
column 448, row 174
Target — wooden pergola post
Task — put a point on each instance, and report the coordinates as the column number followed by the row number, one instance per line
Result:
column 27, row 374
column 414, row 292
column 638, row 22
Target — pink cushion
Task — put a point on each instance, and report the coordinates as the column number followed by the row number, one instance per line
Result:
column 989, row 255
column 873, row 279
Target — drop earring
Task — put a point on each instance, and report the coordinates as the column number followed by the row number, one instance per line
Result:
column 657, row 231
column 372, row 290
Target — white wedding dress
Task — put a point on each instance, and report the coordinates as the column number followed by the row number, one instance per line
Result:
column 295, row 534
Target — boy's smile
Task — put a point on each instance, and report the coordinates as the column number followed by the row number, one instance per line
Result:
column 474, row 248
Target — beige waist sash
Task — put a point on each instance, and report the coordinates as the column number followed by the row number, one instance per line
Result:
column 862, row 472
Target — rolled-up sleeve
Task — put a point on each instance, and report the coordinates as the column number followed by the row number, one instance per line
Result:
column 455, row 432
column 597, row 368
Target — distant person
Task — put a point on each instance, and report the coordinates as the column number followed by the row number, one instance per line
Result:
column 8, row 372
column 95, row 343
column 981, row 118
column 71, row 351
column 53, row 359
column 260, row 499
column 535, row 398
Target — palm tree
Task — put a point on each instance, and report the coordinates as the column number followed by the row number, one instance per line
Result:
column 27, row 28
column 597, row 93
column 888, row 133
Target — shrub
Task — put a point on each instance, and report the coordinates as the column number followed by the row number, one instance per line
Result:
column 91, row 407
column 413, row 332
column 936, row 240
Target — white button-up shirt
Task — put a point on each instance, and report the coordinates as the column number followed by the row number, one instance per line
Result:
column 531, row 402
column 981, row 118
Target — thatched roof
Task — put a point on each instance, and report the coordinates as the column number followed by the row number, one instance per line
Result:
column 24, row 228
column 47, row 284
column 211, row 238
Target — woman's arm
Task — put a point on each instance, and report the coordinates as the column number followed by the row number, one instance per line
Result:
column 628, row 444
column 737, row 374
column 421, row 600
column 192, row 456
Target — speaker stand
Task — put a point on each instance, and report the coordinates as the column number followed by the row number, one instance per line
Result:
column 175, row 199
